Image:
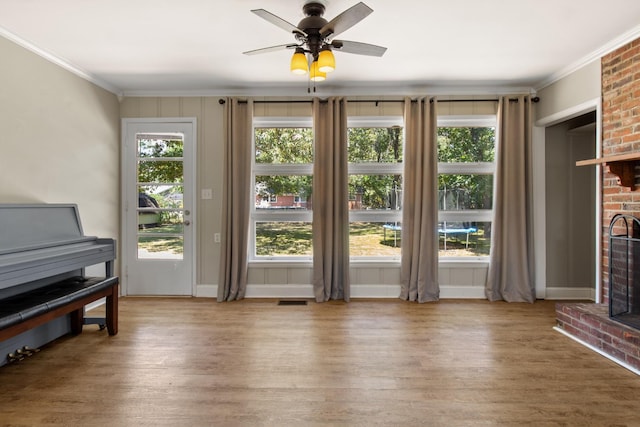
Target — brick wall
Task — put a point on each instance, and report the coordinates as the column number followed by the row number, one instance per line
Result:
column 590, row 323
column 620, row 134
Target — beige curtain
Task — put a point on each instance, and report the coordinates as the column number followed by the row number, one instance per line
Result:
column 419, row 261
column 236, row 204
column 330, row 195
column 510, row 275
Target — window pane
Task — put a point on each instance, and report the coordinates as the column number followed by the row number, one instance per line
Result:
column 160, row 247
column 380, row 145
column 160, row 145
column 283, row 192
column 381, row 192
column 464, row 239
column 283, row 145
column 160, row 222
column 374, row 239
column 283, row 239
column 164, row 196
column 466, row 144
column 166, row 171
column 462, row 192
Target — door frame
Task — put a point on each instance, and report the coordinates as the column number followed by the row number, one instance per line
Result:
column 540, row 224
column 124, row 179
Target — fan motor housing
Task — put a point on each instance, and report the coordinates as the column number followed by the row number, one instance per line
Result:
column 313, row 9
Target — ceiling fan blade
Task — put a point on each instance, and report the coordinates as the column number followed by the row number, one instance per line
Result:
column 358, row 48
column 276, row 20
column 270, row 49
column 346, row 20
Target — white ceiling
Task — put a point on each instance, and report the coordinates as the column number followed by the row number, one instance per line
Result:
column 191, row 46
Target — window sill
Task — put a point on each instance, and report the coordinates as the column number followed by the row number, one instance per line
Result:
column 467, row 262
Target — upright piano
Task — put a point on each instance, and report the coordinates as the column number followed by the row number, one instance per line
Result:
column 41, row 246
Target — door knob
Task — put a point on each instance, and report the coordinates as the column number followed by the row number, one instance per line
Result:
column 187, row 222
column 187, row 212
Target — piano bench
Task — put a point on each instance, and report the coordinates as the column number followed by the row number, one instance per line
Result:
column 27, row 310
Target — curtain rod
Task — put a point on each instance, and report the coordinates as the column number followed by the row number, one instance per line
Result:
column 222, row 101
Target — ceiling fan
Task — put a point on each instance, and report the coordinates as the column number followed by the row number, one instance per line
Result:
column 314, row 35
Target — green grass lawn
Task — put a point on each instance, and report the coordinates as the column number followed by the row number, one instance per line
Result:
column 365, row 239
column 294, row 239
column 152, row 239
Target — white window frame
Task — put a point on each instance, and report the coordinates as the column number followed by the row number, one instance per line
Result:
column 467, row 168
column 259, row 169
column 376, row 169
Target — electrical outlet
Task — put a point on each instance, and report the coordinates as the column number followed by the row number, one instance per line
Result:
column 207, row 194
column 216, row 237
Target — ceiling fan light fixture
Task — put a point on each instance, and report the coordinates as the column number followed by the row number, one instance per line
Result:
column 299, row 64
column 315, row 74
column 326, row 60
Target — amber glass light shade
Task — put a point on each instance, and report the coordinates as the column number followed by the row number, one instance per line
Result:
column 299, row 64
column 326, row 61
column 315, row 74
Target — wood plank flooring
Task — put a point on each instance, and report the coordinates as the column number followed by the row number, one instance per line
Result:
column 196, row 362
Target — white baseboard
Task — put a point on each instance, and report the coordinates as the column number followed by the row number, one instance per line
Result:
column 279, row 291
column 357, row 291
column 206, row 291
column 571, row 294
column 95, row 304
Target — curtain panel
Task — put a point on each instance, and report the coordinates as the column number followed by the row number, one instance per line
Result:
column 511, row 267
column 236, row 204
column 419, row 259
column 330, row 195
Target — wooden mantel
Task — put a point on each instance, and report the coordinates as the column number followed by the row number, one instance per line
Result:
column 622, row 165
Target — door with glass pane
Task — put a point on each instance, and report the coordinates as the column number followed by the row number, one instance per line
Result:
column 158, row 207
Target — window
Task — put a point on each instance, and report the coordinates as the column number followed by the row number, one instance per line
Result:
column 282, row 179
column 466, row 166
column 375, row 149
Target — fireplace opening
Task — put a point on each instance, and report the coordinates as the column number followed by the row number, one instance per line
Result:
column 624, row 270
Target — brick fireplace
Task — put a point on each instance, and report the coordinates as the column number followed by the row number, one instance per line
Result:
column 588, row 322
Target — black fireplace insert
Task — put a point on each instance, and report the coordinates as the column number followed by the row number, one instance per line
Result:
column 624, row 270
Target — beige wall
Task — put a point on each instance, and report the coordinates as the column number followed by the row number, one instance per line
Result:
column 281, row 279
column 59, row 138
column 573, row 90
column 209, row 167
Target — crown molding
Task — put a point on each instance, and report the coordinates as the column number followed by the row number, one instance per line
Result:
column 59, row 61
column 348, row 90
column 609, row 47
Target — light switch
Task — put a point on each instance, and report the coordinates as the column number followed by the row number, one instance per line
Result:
column 207, row 194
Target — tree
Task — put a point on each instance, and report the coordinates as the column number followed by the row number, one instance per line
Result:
column 466, row 144
column 379, row 145
column 151, row 170
column 284, row 146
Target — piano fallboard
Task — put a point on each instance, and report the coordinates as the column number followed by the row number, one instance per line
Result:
column 28, row 266
column 40, row 241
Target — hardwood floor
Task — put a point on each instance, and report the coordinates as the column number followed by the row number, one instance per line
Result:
column 195, row 362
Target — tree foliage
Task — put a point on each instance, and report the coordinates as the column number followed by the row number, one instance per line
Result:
column 380, row 145
column 465, row 145
column 284, row 146
column 375, row 145
column 153, row 170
